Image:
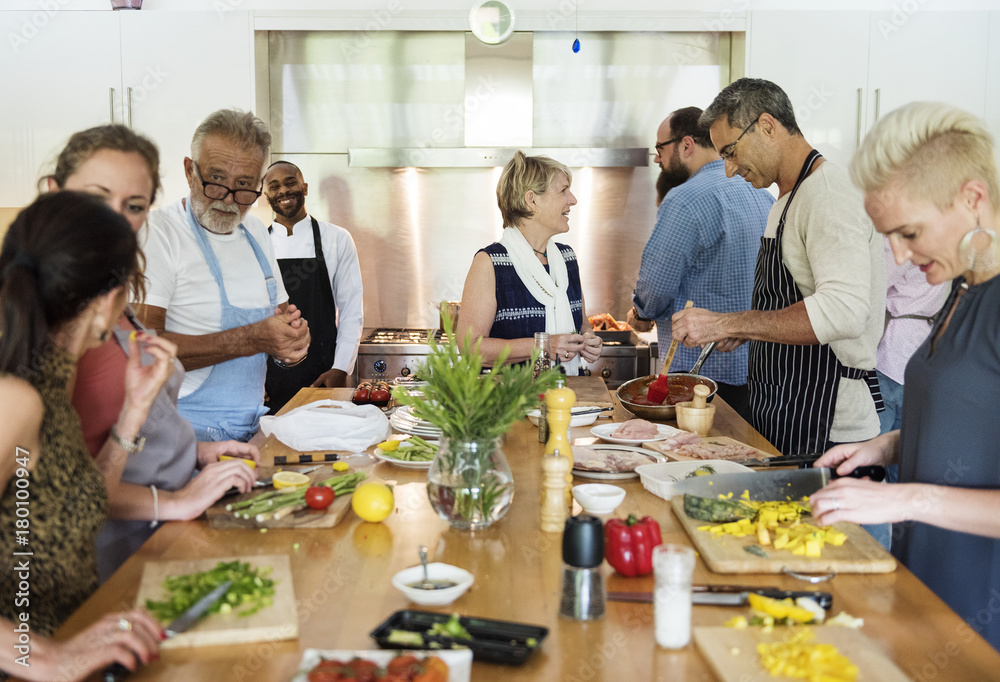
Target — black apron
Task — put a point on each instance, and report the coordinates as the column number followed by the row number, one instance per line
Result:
column 793, row 389
column 308, row 284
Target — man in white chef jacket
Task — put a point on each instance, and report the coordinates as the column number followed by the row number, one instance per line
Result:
column 319, row 265
column 213, row 285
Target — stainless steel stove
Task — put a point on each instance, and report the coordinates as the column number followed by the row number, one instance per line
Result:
column 388, row 353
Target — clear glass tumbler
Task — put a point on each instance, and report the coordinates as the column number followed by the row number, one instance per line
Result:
column 673, row 566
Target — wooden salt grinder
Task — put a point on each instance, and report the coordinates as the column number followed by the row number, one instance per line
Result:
column 555, row 469
column 559, row 401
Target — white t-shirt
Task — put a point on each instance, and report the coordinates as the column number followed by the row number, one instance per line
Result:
column 341, row 258
column 178, row 278
column 836, row 257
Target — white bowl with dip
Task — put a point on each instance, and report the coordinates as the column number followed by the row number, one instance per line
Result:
column 405, row 582
column 598, row 498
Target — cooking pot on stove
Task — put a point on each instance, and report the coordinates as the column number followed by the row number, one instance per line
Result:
column 677, row 381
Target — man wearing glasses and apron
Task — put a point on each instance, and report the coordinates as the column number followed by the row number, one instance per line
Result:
column 819, row 284
column 213, row 285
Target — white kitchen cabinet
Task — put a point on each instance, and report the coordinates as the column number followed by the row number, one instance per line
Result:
column 821, row 60
column 937, row 56
column 178, row 67
column 993, row 79
column 160, row 72
column 61, row 73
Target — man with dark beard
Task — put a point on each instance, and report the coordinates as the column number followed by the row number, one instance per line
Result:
column 213, row 286
column 319, row 265
column 703, row 247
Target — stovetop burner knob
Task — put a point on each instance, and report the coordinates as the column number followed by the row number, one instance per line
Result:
column 586, row 371
column 380, row 366
column 606, row 373
column 405, row 372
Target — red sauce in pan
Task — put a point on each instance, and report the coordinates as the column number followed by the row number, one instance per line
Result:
column 681, row 390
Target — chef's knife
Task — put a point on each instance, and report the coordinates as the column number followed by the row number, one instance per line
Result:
column 782, row 461
column 769, row 485
column 727, row 595
column 181, row 624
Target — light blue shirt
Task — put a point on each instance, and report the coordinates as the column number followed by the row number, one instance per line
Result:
column 703, row 249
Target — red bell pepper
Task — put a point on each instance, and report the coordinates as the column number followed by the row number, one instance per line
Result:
column 628, row 544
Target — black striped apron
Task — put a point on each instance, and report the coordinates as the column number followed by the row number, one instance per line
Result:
column 793, row 389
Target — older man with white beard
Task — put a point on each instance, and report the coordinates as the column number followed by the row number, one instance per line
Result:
column 213, row 284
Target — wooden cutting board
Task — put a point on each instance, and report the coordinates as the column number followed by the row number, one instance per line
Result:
column 663, row 449
column 861, row 553
column 219, row 518
column 732, row 653
column 276, row 622
column 590, row 391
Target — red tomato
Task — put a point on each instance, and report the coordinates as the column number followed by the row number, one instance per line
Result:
column 319, row 497
column 378, row 395
column 361, row 394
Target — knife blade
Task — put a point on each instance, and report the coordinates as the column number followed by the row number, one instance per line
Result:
column 728, row 595
column 182, row 623
column 781, row 461
column 769, row 485
column 265, row 482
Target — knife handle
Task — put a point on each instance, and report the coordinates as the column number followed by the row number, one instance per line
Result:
column 115, row 672
column 874, row 472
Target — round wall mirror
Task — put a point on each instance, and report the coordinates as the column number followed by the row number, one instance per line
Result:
column 492, row 21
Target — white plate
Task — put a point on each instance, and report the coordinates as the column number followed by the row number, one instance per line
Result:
column 380, row 455
column 459, row 661
column 604, row 432
column 575, row 419
column 617, row 475
column 406, row 426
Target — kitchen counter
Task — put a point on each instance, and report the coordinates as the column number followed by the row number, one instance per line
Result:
column 342, row 584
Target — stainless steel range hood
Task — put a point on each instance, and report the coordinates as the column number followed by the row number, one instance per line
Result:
column 498, row 110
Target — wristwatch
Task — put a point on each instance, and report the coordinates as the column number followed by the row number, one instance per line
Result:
column 640, row 318
column 131, row 447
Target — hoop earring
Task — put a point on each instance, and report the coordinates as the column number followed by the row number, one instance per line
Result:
column 979, row 259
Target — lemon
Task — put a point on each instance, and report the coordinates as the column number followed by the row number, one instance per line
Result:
column 290, row 479
column 340, row 466
column 373, row 501
column 249, row 462
column 389, row 445
column 783, row 608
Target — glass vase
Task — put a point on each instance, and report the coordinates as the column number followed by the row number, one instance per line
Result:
column 470, row 484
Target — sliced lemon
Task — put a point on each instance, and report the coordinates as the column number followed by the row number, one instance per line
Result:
column 249, row 462
column 290, row 479
column 389, row 445
column 340, row 466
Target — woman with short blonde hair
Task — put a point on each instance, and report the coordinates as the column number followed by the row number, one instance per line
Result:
column 930, row 180
column 527, row 282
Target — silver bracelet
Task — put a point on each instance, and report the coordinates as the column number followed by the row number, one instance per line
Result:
column 286, row 365
column 156, row 508
column 131, row 447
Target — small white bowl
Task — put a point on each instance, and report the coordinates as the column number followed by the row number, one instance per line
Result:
column 575, row 419
column 436, row 571
column 598, row 498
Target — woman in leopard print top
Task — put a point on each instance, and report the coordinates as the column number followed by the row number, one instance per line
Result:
column 63, row 267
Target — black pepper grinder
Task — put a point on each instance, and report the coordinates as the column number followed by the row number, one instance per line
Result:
column 583, row 551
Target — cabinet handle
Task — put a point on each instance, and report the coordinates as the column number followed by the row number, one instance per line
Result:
column 111, row 104
column 858, row 144
column 878, row 102
column 128, row 99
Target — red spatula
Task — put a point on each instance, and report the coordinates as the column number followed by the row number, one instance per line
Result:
column 660, row 389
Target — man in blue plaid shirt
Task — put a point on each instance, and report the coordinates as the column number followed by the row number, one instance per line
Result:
column 703, row 248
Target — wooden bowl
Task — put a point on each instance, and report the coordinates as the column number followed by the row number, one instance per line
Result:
column 696, row 419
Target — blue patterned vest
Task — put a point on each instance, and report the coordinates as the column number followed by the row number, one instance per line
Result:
column 518, row 314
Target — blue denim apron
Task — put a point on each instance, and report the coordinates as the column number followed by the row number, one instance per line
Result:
column 230, row 402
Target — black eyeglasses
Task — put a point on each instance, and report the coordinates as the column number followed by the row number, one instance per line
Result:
column 659, row 146
column 727, row 151
column 213, row 190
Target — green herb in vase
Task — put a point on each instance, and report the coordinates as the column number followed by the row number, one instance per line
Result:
column 469, row 483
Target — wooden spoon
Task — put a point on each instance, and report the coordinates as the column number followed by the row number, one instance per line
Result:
column 660, row 389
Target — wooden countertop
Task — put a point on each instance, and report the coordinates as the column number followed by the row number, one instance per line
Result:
column 342, row 584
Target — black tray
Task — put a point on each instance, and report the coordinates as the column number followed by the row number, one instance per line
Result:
column 493, row 641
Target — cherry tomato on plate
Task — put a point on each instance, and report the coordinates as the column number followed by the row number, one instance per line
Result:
column 319, row 496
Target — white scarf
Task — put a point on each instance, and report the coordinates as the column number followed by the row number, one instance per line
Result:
column 551, row 288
